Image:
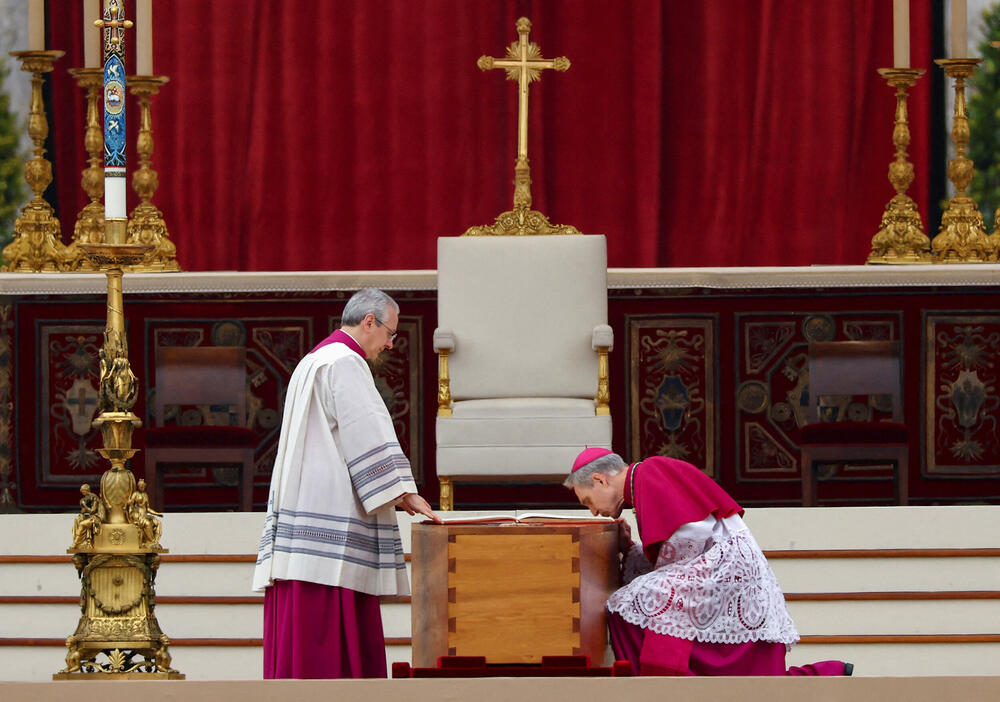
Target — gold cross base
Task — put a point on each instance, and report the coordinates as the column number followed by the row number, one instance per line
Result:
column 521, row 221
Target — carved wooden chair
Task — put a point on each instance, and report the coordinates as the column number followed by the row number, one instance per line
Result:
column 200, row 375
column 523, row 344
column 846, row 368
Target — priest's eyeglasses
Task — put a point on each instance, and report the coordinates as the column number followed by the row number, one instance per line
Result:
column 392, row 332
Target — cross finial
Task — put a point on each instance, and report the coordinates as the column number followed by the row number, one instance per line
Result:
column 523, row 63
column 113, row 20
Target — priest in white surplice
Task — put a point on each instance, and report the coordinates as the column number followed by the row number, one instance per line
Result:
column 331, row 544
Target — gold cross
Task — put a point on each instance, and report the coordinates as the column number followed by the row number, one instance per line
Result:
column 524, row 63
column 114, row 11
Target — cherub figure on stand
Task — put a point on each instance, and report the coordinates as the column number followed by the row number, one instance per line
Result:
column 72, row 655
column 144, row 517
column 162, row 656
column 88, row 523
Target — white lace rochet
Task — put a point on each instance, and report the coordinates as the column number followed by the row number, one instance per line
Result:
column 711, row 583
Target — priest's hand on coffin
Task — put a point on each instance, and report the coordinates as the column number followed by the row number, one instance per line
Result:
column 624, row 537
column 415, row 504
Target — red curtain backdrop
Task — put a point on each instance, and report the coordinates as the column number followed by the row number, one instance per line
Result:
column 349, row 135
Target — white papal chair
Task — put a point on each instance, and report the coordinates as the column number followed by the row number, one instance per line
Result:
column 523, row 345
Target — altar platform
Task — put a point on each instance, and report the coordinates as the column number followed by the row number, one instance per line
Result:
column 923, row 689
column 741, row 333
column 899, row 591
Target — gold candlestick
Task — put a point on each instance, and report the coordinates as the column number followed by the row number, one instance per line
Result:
column 901, row 238
column 962, row 237
column 37, row 244
column 89, row 228
column 146, row 225
column 116, row 537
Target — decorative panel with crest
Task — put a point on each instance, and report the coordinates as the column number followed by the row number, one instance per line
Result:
column 672, row 403
column 962, row 407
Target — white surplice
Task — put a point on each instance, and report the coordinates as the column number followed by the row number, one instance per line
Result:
column 338, row 472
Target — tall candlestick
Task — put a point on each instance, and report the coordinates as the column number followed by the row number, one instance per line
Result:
column 901, row 33
column 91, row 37
column 959, row 30
column 144, row 37
column 36, row 25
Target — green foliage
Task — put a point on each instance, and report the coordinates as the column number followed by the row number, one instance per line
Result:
column 13, row 189
column 984, row 121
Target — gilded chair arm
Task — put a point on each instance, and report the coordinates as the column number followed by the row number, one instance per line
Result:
column 603, row 340
column 444, row 344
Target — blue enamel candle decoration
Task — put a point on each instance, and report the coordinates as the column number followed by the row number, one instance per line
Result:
column 114, row 25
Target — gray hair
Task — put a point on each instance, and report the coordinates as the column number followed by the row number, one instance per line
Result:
column 609, row 464
column 364, row 302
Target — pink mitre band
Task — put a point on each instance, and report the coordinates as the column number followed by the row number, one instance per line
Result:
column 588, row 455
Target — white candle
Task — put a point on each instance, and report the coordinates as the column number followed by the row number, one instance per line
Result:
column 901, row 33
column 144, row 37
column 91, row 34
column 959, row 30
column 36, row 25
column 115, row 197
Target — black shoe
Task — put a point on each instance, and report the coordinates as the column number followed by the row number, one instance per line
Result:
column 848, row 668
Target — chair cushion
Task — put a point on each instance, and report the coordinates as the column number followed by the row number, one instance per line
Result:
column 523, row 408
column 827, row 433
column 173, row 437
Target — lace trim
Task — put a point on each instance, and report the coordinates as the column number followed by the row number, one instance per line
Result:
column 725, row 594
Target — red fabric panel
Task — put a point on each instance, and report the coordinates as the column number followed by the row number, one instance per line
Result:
column 350, row 135
column 824, row 433
column 461, row 661
column 208, row 436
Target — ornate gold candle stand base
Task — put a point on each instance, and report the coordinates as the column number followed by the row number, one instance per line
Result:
column 146, row 225
column 962, row 237
column 901, row 237
column 89, row 228
column 37, row 244
column 116, row 537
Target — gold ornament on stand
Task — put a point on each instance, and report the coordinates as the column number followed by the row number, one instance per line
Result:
column 962, row 237
column 146, row 225
column 37, row 244
column 523, row 63
column 116, row 536
column 901, row 237
column 89, row 227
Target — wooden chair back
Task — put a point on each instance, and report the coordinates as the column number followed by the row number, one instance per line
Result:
column 854, row 368
column 200, row 375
